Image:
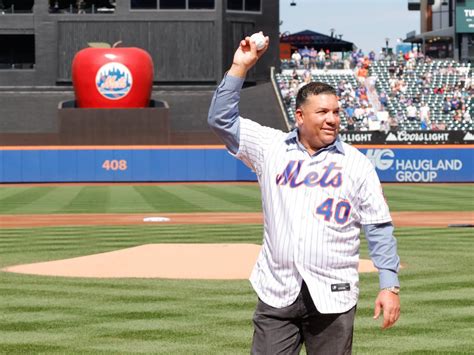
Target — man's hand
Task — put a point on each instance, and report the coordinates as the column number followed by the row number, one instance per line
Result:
column 246, row 56
column 390, row 304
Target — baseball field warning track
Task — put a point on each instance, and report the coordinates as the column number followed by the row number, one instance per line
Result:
column 400, row 219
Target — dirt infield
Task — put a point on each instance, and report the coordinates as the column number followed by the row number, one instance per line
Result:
column 400, row 219
column 203, row 261
column 168, row 261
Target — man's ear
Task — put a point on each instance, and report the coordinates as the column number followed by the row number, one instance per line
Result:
column 299, row 116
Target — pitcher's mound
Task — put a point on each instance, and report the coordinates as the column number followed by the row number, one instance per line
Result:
column 170, row 261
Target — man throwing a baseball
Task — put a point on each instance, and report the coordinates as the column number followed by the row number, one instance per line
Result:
column 317, row 193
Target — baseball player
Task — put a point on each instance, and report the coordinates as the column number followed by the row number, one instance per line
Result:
column 317, row 192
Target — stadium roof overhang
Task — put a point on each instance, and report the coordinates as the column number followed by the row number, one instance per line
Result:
column 446, row 34
column 317, row 40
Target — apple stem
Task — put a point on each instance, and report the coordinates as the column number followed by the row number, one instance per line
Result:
column 116, row 44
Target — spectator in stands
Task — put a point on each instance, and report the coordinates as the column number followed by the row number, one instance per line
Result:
column 416, row 99
column 369, row 109
column 364, row 124
column 327, row 54
column 321, row 58
column 399, row 71
column 462, row 78
column 393, row 123
column 296, row 58
column 403, row 99
column 313, row 58
column 400, row 116
column 412, row 112
column 425, row 121
column 450, row 69
column 428, row 78
column 347, row 63
column 349, row 110
column 392, row 82
column 371, row 56
column 446, row 106
column 466, row 117
column 285, row 92
column 327, row 63
column 400, row 57
column 384, row 126
column 362, row 73
column 392, row 68
column 335, row 59
column 354, row 58
column 373, row 122
column 382, row 115
column 424, row 111
column 306, row 79
column 425, row 90
column 350, row 124
column 439, row 90
column 458, row 116
column 366, row 62
column 348, row 88
column 468, row 82
column 361, row 95
column 305, row 54
column 438, row 126
column 410, row 67
column 457, row 93
column 340, row 88
column 455, row 104
column 359, row 113
column 383, row 98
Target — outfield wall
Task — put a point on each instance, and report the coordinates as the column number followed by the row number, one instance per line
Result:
column 444, row 163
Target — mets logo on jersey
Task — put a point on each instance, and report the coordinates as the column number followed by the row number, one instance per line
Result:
column 114, row 81
column 330, row 177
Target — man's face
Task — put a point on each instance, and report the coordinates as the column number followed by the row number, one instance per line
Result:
column 318, row 121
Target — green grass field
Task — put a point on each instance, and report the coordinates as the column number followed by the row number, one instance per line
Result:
column 78, row 315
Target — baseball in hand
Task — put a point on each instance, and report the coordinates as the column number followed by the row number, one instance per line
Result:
column 259, row 40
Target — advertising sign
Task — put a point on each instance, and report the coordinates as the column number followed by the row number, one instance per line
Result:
column 465, row 16
column 392, row 163
column 422, row 165
column 407, row 137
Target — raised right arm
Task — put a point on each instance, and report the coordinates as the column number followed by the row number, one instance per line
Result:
column 223, row 115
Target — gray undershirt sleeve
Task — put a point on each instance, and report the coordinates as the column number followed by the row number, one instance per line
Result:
column 383, row 251
column 223, row 115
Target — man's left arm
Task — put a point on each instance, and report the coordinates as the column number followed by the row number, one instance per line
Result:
column 383, row 252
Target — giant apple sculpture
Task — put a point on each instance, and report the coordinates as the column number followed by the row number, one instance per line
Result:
column 114, row 77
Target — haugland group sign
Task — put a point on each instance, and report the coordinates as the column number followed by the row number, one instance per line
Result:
column 431, row 164
column 465, row 17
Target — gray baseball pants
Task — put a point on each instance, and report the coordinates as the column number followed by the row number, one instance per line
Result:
column 284, row 330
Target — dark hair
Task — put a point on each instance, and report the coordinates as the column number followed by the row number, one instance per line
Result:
column 313, row 88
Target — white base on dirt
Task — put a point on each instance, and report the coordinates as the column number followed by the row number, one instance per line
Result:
column 156, row 219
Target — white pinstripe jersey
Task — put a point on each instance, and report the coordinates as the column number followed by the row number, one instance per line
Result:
column 313, row 208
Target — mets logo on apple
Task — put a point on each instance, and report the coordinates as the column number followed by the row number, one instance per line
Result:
column 114, row 81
